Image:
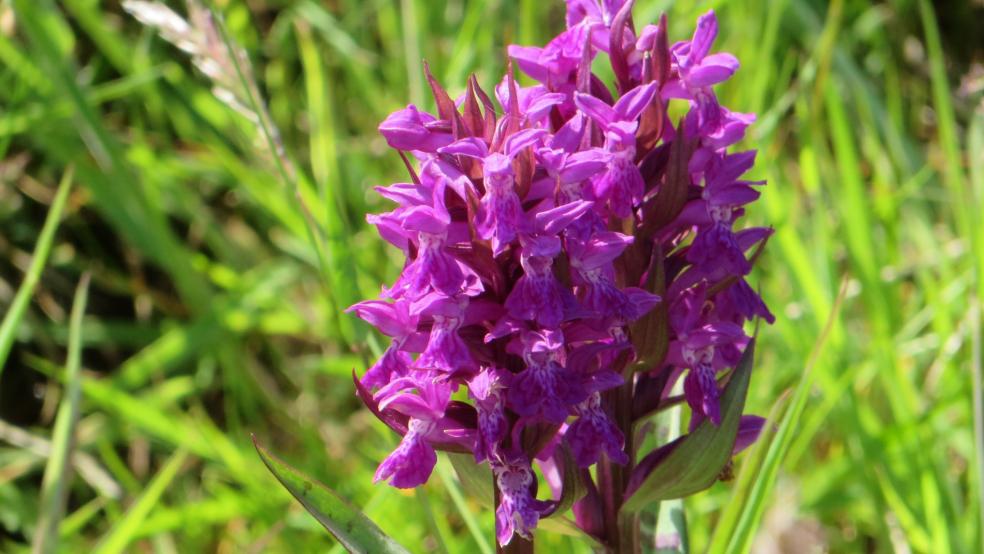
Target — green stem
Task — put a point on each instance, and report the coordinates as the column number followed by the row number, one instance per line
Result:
column 518, row 545
column 621, row 529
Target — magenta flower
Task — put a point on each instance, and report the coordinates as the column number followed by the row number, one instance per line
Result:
column 411, row 129
column 546, row 389
column 622, row 184
column 594, row 433
column 519, row 511
column 501, row 216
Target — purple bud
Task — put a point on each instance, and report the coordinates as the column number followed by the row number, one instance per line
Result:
column 410, row 129
column 749, row 429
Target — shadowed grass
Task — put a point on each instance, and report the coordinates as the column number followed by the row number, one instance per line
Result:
column 57, row 472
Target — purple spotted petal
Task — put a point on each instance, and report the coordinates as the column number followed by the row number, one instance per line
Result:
column 411, row 464
column 592, row 434
column 701, row 390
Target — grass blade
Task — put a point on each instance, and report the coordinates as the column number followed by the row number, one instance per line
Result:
column 751, row 469
column 18, row 307
column 120, row 536
column 57, row 473
column 753, row 503
column 351, row 527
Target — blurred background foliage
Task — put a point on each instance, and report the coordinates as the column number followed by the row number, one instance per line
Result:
column 211, row 315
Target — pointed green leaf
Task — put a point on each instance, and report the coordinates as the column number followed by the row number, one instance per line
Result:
column 476, row 479
column 753, row 466
column 356, row 532
column 698, row 459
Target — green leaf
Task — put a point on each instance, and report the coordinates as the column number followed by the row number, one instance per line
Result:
column 475, row 478
column 563, row 525
column 465, row 511
column 573, row 489
column 698, row 459
column 355, row 531
column 751, row 474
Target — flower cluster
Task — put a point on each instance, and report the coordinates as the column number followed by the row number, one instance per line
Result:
column 569, row 251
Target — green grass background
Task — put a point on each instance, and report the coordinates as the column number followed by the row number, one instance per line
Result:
column 210, row 316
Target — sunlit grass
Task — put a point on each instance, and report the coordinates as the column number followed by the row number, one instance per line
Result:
column 211, row 314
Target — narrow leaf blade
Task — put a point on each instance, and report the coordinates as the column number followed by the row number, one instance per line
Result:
column 57, row 472
column 775, row 451
column 356, row 532
column 15, row 313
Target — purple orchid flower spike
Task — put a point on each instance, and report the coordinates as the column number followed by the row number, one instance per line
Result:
column 570, row 263
column 439, row 174
column 700, row 387
column 534, row 103
column 591, row 361
column 728, row 128
column 546, row 388
column 446, row 351
column 433, row 268
column 592, row 262
column 488, row 388
column 556, row 64
column 698, row 68
column 698, row 71
column 569, row 170
column 723, row 196
column 622, row 184
column 704, row 348
column 597, row 17
column 742, row 302
column 501, row 216
column 566, row 165
column 412, row 462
